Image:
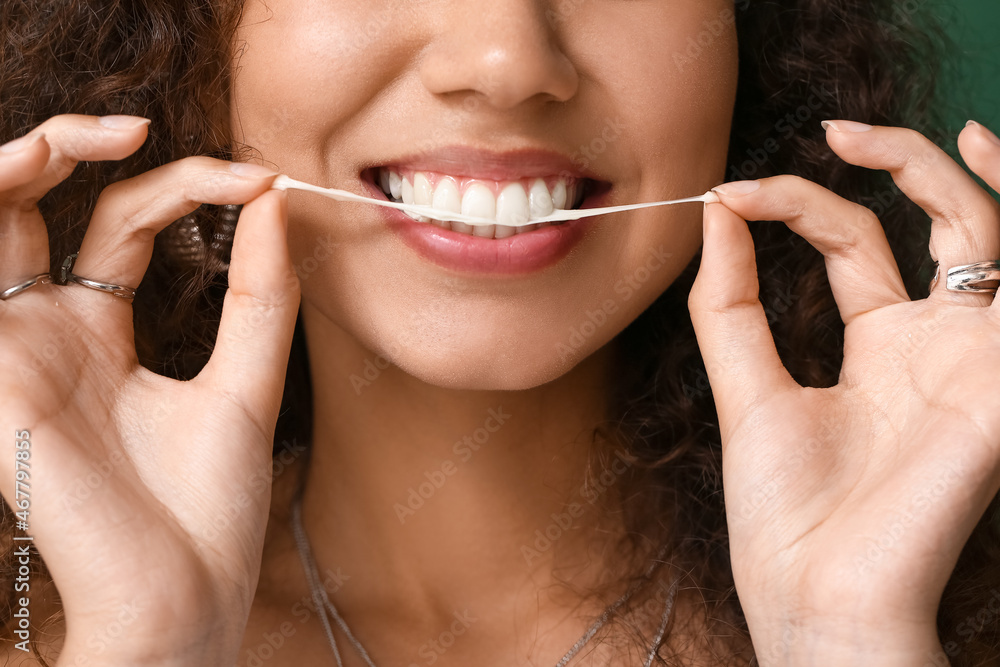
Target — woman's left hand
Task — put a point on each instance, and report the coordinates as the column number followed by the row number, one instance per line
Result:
column 848, row 506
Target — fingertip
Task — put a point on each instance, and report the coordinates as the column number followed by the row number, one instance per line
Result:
column 736, row 189
column 840, row 126
column 124, row 123
column 978, row 136
column 980, row 149
column 984, row 132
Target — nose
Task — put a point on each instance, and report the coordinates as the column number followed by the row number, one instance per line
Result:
column 503, row 50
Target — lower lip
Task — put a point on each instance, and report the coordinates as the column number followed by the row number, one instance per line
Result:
column 515, row 255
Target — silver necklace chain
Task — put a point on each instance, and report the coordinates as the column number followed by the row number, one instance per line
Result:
column 323, row 604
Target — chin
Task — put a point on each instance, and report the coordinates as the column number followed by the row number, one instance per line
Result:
column 494, row 368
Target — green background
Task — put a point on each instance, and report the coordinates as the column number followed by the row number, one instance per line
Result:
column 975, row 92
column 971, row 87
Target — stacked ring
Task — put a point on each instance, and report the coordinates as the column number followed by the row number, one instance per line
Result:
column 67, row 276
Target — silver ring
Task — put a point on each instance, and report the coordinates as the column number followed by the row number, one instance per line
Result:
column 978, row 277
column 67, row 276
column 40, row 279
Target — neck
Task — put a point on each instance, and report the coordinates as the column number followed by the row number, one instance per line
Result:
column 435, row 495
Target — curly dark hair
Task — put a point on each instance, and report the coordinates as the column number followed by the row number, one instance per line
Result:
column 801, row 61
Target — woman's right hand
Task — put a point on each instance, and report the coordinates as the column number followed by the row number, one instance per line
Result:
column 148, row 496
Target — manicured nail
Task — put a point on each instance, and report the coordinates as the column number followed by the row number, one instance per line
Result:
column 250, row 170
column 989, row 135
column 845, row 126
column 737, row 188
column 22, row 143
column 123, row 122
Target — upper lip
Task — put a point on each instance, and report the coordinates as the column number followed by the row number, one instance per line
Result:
column 498, row 166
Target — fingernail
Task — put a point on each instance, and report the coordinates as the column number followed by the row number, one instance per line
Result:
column 845, row 126
column 989, row 135
column 737, row 188
column 250, row 170
column 123, row 122
column 22, row 143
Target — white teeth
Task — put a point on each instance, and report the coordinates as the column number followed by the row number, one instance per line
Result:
column 446, row 196
column 423, row 194
column 478, row 201
column 512, row 205
column 559, row 195
column 511, row 208
column 395, row 184
column 407, row 193
column 541, row 200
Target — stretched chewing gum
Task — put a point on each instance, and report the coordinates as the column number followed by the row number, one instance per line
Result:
column 283, row 182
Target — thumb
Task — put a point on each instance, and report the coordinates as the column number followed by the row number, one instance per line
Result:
column 259, row 311
column 729, row 321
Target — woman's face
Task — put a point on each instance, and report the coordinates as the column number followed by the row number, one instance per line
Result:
column 495, row 107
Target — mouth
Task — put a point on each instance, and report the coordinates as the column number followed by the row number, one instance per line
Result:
column 509, row 188
column 510, row 202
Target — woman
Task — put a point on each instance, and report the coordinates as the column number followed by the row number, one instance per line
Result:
column 486, row 443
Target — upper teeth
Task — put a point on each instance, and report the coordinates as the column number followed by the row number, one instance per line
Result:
column 507, row 202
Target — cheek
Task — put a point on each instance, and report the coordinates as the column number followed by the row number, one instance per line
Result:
column 305, row 68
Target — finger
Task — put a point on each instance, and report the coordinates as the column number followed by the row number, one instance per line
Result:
column 863, row 272
column 22, row 160
column 740, row 357
column 27, row 175
column 980, row 149
column 24, row 240
column 259, row 311
column 75, row 138
column 965, row 220
column 118, row 244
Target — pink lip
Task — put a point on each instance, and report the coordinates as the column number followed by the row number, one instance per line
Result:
column 515, row 255
column 476, row 163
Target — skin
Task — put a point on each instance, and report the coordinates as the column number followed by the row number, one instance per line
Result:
column 460, row 345
column 205, row 594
